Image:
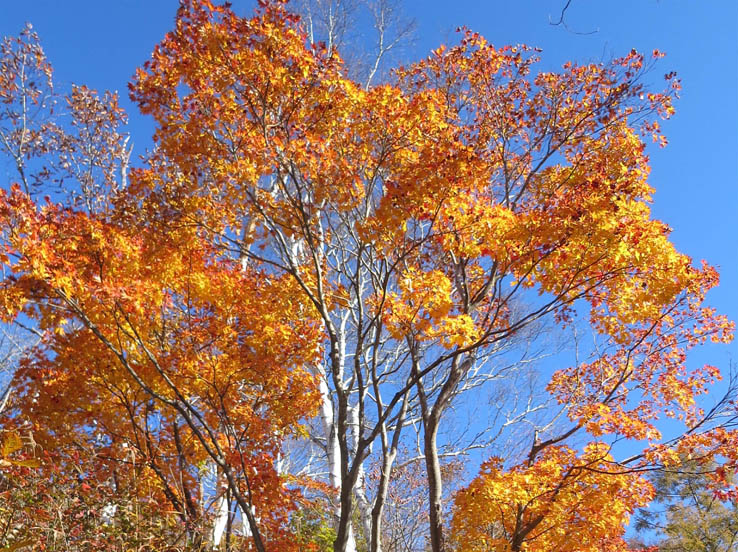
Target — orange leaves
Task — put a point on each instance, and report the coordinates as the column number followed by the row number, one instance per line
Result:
column 564, row 501
column 153, row 317
column 286, row 208
column 240, row 99
column 624, row 391
column 267, row 127
column 423, row 308
column 12, row 444
column 424, row 298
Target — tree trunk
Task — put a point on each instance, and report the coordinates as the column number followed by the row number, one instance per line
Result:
column 334, row 422
column 435, row 486
column 222, row 510
column 431, row 421
column 362, row 502
column 345, row 541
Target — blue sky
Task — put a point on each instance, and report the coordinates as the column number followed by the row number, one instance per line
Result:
column 101, row 43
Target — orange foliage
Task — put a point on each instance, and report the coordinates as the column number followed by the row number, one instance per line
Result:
column 207, row 284
column 562, row 501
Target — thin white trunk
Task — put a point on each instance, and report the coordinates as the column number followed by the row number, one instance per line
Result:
column 221, row 509
column 364, row 506
column 333, row 453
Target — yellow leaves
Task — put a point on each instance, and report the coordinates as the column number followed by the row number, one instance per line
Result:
column 12, row 444
column 456, row 331
column 24, row 463
column 340, row 297
column 427, row 291
column 199, row 283
column 421, row 295
column 430, row 190
column 599, row 419
column 12, row 301
column 563, row 501
column 423, row 307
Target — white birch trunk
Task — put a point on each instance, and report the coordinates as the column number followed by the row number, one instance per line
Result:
column 221, row 510
column 363, row 504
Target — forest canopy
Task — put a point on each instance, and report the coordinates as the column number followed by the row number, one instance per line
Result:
column 271, row 330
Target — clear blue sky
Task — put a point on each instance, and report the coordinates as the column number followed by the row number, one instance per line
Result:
column 101, row 43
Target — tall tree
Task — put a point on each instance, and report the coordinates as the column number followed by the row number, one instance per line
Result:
column 155, row 349
column 300, row 242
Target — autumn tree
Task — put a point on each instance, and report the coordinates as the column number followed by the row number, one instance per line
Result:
column 301, row 243
column 59, row 501
column 119, row 355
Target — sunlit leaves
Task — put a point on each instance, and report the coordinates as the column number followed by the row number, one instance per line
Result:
column 448, row 211
column 563, row 501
